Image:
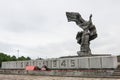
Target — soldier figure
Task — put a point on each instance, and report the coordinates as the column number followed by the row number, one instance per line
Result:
column 84, row 37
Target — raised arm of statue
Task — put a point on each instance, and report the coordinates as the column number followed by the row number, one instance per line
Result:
column 76, row 17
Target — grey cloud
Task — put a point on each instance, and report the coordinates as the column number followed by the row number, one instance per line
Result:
column 48, row 17
column 53, row 50
column 10, row 49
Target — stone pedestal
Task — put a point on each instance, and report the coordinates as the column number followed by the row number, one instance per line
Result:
column 80, row 53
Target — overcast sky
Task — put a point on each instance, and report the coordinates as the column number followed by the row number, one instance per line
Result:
column 39, row 28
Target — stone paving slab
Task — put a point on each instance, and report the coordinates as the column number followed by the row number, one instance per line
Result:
column 31, row 77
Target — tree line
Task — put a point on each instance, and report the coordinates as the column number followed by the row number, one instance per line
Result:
column 5, row 57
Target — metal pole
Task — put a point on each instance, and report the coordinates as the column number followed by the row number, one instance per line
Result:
column 18, row 52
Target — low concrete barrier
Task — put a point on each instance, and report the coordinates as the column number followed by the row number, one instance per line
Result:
column 93, row 62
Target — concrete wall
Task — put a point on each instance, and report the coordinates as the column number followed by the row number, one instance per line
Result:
column 39, row 63
column 109, row 62
column 63, row 63
column 83, row 62
column 55, row 64
column 95, row 62
column 66, row 63
column 48, row 63
column 73, row 63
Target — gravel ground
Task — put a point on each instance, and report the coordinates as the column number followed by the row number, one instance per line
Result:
column 29, row 77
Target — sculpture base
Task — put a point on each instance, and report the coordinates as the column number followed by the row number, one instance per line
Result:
column 80, row 53
column 74, row 63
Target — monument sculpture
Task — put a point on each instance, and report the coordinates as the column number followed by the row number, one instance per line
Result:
column 84, row 37
column 100, row 65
